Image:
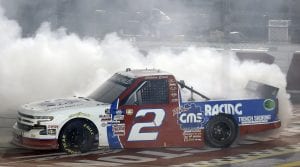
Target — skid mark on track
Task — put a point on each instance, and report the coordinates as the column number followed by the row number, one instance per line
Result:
column 245, row 157
column 290, row 164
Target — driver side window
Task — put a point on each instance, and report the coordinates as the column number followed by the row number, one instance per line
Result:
column 150, row 92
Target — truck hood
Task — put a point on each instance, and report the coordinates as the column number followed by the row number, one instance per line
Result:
column 60, row 104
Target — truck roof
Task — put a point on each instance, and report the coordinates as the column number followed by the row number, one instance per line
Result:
column 136, row 73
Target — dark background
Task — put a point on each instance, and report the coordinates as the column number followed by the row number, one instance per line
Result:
column 199, row 20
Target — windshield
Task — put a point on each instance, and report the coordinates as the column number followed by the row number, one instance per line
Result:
column 111, row 89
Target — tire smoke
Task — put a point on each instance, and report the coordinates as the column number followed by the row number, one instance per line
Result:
column 55, row 64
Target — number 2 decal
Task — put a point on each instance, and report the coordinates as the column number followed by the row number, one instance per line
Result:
column 136, row 135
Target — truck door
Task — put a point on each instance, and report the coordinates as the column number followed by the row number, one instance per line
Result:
column 148, row 115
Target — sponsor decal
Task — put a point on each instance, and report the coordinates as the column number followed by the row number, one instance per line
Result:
column 194, row 115
column 269, row 104
column 104, row 124
column 105, row 118
column 79, row 114
column 190, row 116
column 137, row 134
column 119, row 112
column 173, row 95
column 129, row 111
column 59, row 102
column 51, row 131
column 119, row 129
column 173, row 88
column 113, row 122
column 172, row 84
column 52, row 127
column 176, row 111
column 255, row 119
column 174, row 100
column 172, row 80
column 233, row 109
column 192, row 135
column 118, row 117
column 163, row 77
column 151, row 77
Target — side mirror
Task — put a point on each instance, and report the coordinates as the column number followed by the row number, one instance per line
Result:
column 181, row 83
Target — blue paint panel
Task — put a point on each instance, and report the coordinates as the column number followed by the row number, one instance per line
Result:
column 250, row 111
column 190, row 117
column 113, row 140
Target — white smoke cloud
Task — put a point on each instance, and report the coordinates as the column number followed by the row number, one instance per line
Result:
column 221, row 75
column 53, row 64
column 56, row 64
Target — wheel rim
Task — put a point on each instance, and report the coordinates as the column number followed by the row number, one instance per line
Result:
column 76, row 138
column 221, row 132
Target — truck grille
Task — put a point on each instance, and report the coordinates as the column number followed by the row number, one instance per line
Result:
column 26, row 116
column 24, row 126
column 28, row 122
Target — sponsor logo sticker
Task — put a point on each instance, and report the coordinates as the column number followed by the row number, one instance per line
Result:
column 269, row 104
column 232, row 109
column 129, row 111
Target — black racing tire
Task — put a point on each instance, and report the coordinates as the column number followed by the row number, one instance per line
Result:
column 77, row 137
column 220, row 131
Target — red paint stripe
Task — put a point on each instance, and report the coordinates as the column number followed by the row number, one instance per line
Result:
column 40, row 144
column 247, row 129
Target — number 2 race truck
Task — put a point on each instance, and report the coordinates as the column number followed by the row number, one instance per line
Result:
column 139, row 109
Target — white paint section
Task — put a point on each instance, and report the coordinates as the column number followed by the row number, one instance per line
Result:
column 126, row 159
column 136, row 135
column 164, row 155
column 103, row 140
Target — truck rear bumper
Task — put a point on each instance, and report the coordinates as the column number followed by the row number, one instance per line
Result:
column 247, row 129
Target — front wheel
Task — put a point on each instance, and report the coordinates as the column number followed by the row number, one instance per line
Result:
column 77, row 137
column 220, row 131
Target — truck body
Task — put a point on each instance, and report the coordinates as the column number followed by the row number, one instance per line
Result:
column 140, row 109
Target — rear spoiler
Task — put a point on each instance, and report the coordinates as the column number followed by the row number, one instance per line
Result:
column 261, row 90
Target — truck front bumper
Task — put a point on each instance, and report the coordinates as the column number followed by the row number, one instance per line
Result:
column 20, row 138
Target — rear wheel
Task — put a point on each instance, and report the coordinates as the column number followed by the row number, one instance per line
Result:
column 220, row 131
column 77, row 137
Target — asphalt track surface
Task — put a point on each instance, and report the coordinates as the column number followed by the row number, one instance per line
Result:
column 275, row 149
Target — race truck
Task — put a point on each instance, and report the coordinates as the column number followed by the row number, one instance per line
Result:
column 141, row 109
